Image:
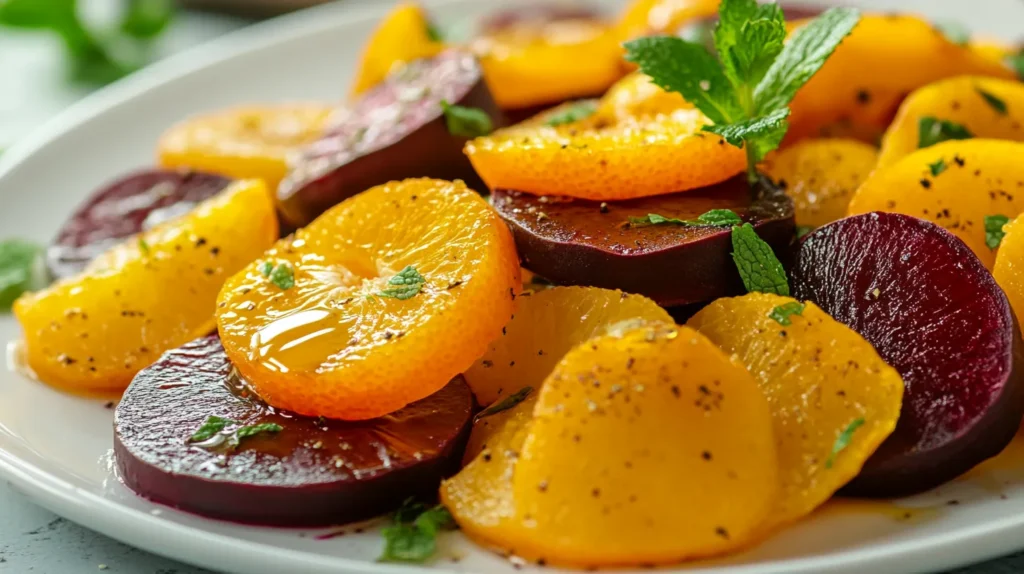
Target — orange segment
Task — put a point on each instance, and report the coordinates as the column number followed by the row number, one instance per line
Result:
column 94, row 331
column 610, row 155
column 630, row 432
column 245, row 142
column 651, row 17
column 884, row 59
column 821, row 175
column 401, row 37
column 335, row 344
column 546, row 325
column 820, row 377
column 962, row 100
column 976, row 177
column 1009, row 267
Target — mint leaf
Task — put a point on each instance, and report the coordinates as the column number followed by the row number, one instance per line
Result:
column 265, row 268
column 802, row 230
column 211, row 427
column 689, row 69
column 410, row 509
column 415, row 541
column 802, row 56
column 1016, row 63
column 759, row 269
column 748, row 38
column 143, row 247
column 506, row 403
column 954, row 31
column 843, row 441
column 434, row 520
column 283, row 276
column 931, row 131
column 994, row 230
column 19, row 270
column 245, row 432
column 575, row 112
column 406, row 284
column 466, row 122
column 434, row 33
column 782, row 313
column 937, row 167
column 763, row 134
column 993, row 101
column 719, row 217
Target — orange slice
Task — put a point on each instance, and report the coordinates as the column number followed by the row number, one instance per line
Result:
column 650, row 17
column 94, row 331
column 403, row 36
column 325, row 325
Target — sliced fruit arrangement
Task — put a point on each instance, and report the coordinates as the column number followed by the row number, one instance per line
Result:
column 123, row 209
column 833, row 399
column 883, row 60
column 244, row 142
column 933, row 312
column 673, row 258
column 181, row 418
column 546, row 325
column 596, row 445
column 376, row 304
column 95, row 330
column 955, row 184
column 957, row 108
column 413, row 124
column 821, row 175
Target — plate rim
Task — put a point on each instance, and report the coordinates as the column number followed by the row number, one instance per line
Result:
column 962, row 546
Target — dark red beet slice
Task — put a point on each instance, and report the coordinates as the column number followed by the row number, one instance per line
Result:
column 934, row 313
column 314, row 472
column 395, row 131
column 579, row 242
column 123, row 208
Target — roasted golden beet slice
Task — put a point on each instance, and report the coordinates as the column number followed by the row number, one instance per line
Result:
column 988, row 107
column 833, row 399
column 821, row 175
column 934, row 313
column 546, row 325
column 631, row 431
column 95, row 330
column 124, row 208
column 402, row 37
column 1009, row 268
column 580, row 242
column 955, row 184
column 309, row 472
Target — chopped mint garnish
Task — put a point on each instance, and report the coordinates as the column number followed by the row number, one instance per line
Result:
column 759, row 269
column 931, row 131
column 506, row 403
column 1016, row 63
column 843, row 441
column 434, row 33
column 143, row 247
column 994, row 230
column 937, row 167
column 716, row 217
column 405, row 285
column 20, row 270
column 993, row 101
column 283, row 276
column 466, row 122
column 210, row 428
column 252, row 430
column 574, row 112
column 415, row 539
column 266, row 267
column 214, row 425
column 782, row 313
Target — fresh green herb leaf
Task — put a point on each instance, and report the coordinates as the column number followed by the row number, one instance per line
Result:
column 843, row 441
column 748, row 38
column 802, row 230
column 1016, row 63
column 716, row 217
column 466, row 122
column 763, row 134
column 994, row 230
column 410, row 509
column 575, row 112
column 434, row 33
column 147, row 19
column 802, row 56
column 506, row 403
column 266, row 267
column 782, row 313
column 937, row 167
column 415, row 541
column 992, row 100
column 405, row 285
column 759, row 269
column 245, row 432
column 954, row 31
column 654, row 219
column 210, row 428
column 283, row 276
column 143, row 247
column 20, row 270
column 721, row 217
column 931, row 131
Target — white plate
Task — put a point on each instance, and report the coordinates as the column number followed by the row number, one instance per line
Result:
column 54, row 446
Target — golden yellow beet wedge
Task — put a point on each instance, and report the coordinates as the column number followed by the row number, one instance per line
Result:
column 402, row 36
column 954, row 184
column 546, row 325
column 821, row 175
column 833, row 399
column 631, row 432
column 988, row 107
column 94, row 331
column 1009, row 267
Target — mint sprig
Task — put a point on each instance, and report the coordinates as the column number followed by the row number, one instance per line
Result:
column 759, row 269
column 747, row 89
column 413, row 538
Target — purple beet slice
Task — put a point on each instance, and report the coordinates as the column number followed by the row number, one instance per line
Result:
column 394, row 131
column 581, row 242
column 122, row 209
column 933, row 312
column 313, row 472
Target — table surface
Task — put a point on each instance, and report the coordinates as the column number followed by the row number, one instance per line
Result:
column 31, row 538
